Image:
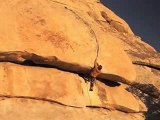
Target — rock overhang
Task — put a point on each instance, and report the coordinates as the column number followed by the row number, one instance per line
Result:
column 33, row 29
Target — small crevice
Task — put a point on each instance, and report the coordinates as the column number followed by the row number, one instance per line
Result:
column 157, row 67
column 109, row 83
column 58, row 2
column 29, row 63
column 63, row 4
column 38, row 99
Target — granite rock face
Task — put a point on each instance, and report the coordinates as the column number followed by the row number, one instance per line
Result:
column 49, row 28
column 50, row 111
column 48, row 47
column 62, row 87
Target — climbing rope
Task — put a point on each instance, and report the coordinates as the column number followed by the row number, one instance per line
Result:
column 89, row 95
column 97, row 50
column 95, row 61
column 91, row 31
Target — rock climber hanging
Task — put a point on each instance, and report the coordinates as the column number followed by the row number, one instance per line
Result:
column 95, row 71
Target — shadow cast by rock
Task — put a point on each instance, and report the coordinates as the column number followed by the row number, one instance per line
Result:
column 152, row 104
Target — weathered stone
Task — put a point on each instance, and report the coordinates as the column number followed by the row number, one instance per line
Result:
column 140, row 52
column 148, row 76
column 115, row 24
column 69, row 35
column 62, row 87
column 46, row 30
column 42, row 83
column 117, row 97
column 27, row 109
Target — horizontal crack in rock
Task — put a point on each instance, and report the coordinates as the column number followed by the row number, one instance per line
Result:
column 157, row 67
column 53, row 101
column 37, row 98
column 25, row 58
column 31, row 59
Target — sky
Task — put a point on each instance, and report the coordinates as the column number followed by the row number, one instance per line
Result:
column 143, row 16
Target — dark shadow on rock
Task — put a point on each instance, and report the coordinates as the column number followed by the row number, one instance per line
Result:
column 29, row 63
column 33, row 64
column 152, row 104
column 109, row 83
column 106, row 82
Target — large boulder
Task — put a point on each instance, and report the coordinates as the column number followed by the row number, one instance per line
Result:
column 49, row 28
column 53, row 85
column 59, row 40
column 27, row 109
column 37, row 27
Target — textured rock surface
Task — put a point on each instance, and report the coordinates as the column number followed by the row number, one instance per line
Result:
column 68, row 34
column 148, row 75
column 71, row 90
column 50, row 111
column 152, row 76
column 51, row 34
column 58, row 39
column 140, row 52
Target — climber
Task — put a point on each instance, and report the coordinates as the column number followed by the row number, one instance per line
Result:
column 95, row 71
